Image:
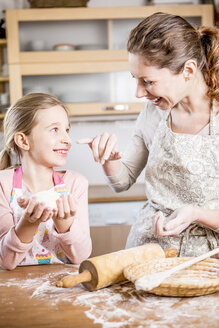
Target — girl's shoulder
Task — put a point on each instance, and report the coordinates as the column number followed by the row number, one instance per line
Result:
column 6, row 181
column 6, row 175
column 73, row 180
column 70, row 174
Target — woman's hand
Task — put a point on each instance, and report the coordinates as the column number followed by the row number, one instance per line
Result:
column 63, row 217
column 104, row 147
column 175, row 223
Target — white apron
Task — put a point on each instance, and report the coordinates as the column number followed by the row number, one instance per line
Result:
column 182, row 169
column 46, row 248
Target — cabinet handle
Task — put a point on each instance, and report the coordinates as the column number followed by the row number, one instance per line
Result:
column 116, row 107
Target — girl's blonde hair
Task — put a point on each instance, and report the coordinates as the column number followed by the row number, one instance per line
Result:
column 168, row 41
column 21, row 117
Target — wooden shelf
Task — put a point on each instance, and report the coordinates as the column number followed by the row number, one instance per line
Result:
column 103, row 193
column 72, row 56
column 80, row 109
column 51, row 14
column 26, row 63
column 4, row 79
column 3, row 42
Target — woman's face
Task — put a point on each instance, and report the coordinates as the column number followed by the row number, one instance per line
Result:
column 159, row 85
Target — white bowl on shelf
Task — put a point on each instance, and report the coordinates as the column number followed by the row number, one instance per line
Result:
column 37, row 45
column 64, row 47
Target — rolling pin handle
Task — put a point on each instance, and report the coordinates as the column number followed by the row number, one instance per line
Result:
column 170, row 252
column 73, row 280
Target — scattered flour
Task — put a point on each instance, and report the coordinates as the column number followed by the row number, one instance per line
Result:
column 121, row 306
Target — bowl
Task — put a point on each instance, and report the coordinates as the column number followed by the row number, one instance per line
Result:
column 64, row 47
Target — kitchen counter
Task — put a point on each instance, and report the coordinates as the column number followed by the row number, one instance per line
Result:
column 30, row 298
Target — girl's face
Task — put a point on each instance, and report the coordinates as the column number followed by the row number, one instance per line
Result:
column 163, row 88
column 49, row 141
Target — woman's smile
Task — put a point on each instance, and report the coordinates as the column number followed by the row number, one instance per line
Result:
column 159, row 85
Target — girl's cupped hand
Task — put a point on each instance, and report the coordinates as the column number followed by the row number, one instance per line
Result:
column 63, row 217
column 35, row 211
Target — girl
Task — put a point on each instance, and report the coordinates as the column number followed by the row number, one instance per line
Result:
column 176, row 138
column 36, row 133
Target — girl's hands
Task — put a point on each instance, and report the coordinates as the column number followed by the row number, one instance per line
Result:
column 175, row 223
column 104, row 147
column 63, row 217
column 35, row 212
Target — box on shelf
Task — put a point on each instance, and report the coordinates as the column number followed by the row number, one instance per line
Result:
column 57, row 3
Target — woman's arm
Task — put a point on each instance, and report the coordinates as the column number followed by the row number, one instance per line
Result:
column 181, row 218
column 122, row 170
column 208, row 218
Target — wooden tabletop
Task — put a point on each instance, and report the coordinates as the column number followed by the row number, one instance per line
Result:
column 29, row 298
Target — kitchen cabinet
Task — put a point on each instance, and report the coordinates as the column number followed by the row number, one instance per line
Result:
column 104, row 62
column 4, row 79
column 108, row 239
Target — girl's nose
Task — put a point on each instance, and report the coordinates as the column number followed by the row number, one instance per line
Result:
column 66, row 138
column 140, row 91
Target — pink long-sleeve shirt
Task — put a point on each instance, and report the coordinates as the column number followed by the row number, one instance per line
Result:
column 76, row 243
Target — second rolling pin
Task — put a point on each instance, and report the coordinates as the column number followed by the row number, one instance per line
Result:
column 107, row 269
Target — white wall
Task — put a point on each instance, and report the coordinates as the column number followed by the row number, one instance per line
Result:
column 80, row 157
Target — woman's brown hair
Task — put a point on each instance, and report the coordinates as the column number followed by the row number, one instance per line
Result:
column 21, row 117
column 168, row 41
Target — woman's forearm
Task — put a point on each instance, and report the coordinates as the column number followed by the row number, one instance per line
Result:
column 208, row 218
column 112, row 168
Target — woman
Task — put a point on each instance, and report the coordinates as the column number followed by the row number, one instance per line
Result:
column 176, row 138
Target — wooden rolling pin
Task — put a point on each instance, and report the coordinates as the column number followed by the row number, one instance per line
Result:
column 105, row 270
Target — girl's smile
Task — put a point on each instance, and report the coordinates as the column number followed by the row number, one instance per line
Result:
column 63, row 152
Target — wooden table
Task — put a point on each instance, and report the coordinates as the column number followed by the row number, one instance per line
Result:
column 29, row 298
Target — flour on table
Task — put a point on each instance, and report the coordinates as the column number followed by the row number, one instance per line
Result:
column 120, row 306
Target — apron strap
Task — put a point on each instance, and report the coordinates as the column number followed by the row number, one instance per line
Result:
column 57, row 179
column 212, row 124
column 17, row 178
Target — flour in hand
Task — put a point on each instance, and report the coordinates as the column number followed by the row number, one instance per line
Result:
column 48, row 197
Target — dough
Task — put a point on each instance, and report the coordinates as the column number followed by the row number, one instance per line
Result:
column 48, row 197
